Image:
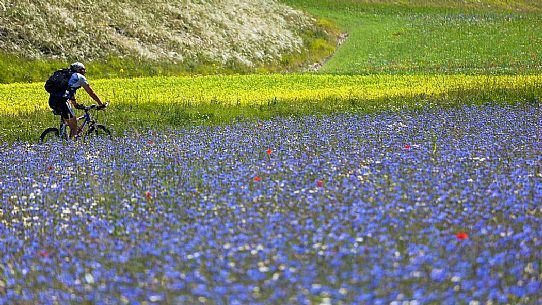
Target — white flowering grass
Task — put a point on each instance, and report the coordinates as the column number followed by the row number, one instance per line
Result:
column 224, row 31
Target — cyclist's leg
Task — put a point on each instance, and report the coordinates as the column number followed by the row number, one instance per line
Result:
column 69, row 117
column 72, row 123
column 64, row 107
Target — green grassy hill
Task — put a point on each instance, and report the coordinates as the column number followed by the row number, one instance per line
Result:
column 438, row 36
column 140, row 37
column 506, row 6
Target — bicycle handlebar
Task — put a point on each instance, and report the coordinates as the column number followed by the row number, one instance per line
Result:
column 93, row 106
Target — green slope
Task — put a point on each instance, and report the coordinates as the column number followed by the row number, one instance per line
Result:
column 433, row 36
column 140, row 37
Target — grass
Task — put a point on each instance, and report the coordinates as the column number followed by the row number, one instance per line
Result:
column 435, row 37
column 168, row 102
column 319, row 42
column 134, row 38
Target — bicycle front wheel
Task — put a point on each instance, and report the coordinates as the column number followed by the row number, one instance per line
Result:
column 49, row 135
column 98, row 131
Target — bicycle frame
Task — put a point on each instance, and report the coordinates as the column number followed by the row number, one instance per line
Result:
column 88, row 124
column 87, row 120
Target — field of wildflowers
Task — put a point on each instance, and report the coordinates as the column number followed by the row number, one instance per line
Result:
column 427, row 206
column 415, row 179
column 255, row 89
column 163, row 102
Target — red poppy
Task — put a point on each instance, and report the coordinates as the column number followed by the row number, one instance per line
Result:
column 150, row 142
column 407, row 146
column 148, row 195
column 268, row 151
column 319, row 183
column 257, row 178
column 43, row 253
column 50, row 168
column 462, row 235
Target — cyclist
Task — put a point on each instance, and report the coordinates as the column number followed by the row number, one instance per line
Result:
column 64, row 102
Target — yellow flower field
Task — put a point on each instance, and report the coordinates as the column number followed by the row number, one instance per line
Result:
column 16, row 99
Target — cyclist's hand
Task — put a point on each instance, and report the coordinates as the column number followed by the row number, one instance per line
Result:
column 79, row 106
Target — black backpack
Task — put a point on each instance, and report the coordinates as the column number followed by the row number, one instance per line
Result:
column 58, row 82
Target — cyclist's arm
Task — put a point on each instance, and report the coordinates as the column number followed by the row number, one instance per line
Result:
column 93, row 95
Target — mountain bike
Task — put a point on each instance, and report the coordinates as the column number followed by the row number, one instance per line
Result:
column 88, row 129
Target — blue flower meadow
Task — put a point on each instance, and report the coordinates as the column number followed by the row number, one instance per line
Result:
column 431, row 206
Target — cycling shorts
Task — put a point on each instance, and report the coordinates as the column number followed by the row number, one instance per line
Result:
column 61, row 106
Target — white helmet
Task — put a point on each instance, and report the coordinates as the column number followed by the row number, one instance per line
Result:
column 76, row 66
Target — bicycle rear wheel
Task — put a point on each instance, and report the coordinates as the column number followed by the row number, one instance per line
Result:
column 98, row 131
column 50, row 135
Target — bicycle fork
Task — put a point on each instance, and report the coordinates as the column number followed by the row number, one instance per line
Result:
column 62, row 132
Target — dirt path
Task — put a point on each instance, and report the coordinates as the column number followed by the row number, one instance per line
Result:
column 316, row 66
